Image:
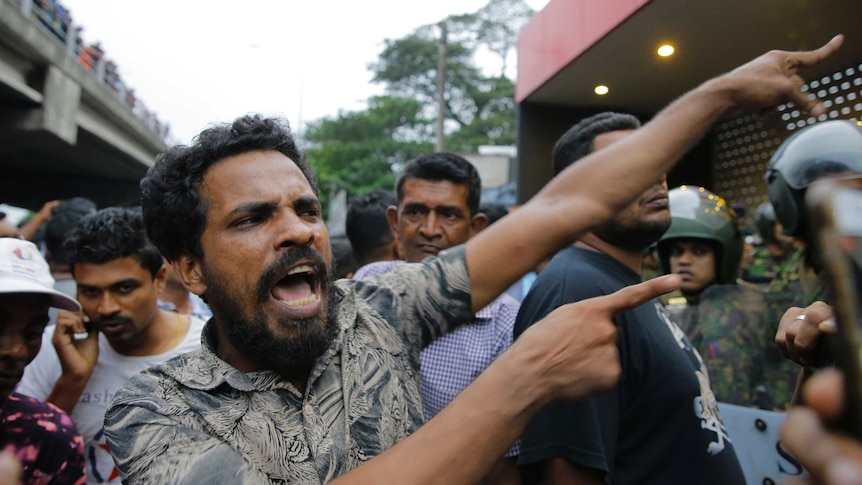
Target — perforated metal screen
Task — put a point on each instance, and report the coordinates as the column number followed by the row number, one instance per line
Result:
column 744, row 145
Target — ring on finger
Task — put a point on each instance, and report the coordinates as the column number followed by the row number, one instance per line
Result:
column 800, row 317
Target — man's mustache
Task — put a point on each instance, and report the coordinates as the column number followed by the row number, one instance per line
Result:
column 114, row 320
column 275, row 272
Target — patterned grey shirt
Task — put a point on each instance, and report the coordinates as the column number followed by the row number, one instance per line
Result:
column 196, row 419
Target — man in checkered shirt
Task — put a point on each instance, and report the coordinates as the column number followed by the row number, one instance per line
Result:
column 438, row 207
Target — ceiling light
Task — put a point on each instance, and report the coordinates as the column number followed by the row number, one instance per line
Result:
column 601, row 90
column 666, row 50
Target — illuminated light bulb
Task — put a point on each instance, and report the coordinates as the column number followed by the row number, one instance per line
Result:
column 601, row 90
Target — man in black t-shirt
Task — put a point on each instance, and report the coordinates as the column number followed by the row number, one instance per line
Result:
column 660, row 424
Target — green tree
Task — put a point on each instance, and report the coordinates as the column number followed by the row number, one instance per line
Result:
column 480, row 107
column 359, row 150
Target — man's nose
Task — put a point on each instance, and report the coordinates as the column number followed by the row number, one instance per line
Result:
column 108, row 304
column 294, row 231
column 13, row 347
column 684, row 257
column 430, row 226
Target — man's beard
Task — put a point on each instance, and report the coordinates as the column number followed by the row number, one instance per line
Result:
column 632, row 237
column 310, row 337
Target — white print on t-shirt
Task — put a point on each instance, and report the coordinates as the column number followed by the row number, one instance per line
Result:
column 705, row 405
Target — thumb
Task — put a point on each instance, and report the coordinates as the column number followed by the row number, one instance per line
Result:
column 636, row 295
column 10, row 469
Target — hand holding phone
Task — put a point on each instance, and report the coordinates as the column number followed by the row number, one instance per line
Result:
column 835, row 213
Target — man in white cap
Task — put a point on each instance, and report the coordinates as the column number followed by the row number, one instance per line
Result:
column 27, row 424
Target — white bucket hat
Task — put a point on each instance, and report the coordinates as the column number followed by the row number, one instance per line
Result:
column 24, row 270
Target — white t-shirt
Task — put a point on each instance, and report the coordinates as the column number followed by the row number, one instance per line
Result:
column 111, row 372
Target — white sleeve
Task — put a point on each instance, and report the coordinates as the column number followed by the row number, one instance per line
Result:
column 41, row 374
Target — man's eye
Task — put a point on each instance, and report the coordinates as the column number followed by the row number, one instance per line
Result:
column 126, row 289
column 247, row 221
column 89, row 293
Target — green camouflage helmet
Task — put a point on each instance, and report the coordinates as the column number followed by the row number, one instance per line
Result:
column 700, row 214
column 764, row 219
column 822, row 149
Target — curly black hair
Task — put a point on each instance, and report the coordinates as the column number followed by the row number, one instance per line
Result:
column 366, row 225
column 174, row 212
column 63, row 219
column 110, row 234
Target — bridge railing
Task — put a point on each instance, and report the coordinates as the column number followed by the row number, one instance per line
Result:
column 56, row 21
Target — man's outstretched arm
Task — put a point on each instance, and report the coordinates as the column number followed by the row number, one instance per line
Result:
column 594, row 189
column 570, row 354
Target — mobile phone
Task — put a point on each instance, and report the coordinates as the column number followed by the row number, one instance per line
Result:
column 835, row 213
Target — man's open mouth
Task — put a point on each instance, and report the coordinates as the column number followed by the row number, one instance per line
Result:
column 300, row 287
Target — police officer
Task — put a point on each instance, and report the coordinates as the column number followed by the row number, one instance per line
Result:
column 703, row 244
column 768, row 259
column 831, row 149
column 724, row 321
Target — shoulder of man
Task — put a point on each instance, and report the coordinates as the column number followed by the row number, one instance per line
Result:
column 571, row 276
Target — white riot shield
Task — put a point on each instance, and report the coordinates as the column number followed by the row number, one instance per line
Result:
column 754, row 434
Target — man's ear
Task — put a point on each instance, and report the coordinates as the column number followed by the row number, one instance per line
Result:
column 161, row 278
column 189, row 270
column 477, row 223
column 392, row 217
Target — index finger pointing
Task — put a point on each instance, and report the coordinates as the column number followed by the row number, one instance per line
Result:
column 811, row 58
column 636, row 295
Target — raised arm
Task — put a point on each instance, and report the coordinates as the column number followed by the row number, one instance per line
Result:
column 592, row 190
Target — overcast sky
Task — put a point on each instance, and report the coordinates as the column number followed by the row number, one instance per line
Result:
column 198, row 61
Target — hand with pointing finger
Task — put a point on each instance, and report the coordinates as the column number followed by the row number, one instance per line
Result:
column 773, row 78
column 575, row 345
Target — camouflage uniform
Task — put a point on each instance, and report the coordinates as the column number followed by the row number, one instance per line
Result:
column 826, row 149
column 764, row 267
column 794, row 285
column 726, row 322
column 726, row 325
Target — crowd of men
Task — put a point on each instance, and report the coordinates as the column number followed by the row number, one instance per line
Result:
column 214, row 334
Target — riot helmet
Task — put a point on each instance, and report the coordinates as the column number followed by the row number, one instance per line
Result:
column 832, row 148
column 697, row 213
column 764, row 220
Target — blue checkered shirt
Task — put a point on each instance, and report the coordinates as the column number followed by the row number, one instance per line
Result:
column 454, row 360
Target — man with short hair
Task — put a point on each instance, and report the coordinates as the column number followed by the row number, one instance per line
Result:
column 367, row 227
column 40, row 436
column 119, row 274
column 438, row 208
column 303, row 380
column 660, row 424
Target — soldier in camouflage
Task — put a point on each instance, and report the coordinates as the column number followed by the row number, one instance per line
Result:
column 829, row 149
column 769, row 258
column 724, row 321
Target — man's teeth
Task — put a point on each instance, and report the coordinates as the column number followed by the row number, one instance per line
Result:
column 304, row 268
column 308, row 300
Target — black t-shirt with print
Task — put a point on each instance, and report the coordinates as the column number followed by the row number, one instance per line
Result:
column 660, row 423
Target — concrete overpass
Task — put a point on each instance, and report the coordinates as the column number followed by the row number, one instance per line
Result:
column 63, row 130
